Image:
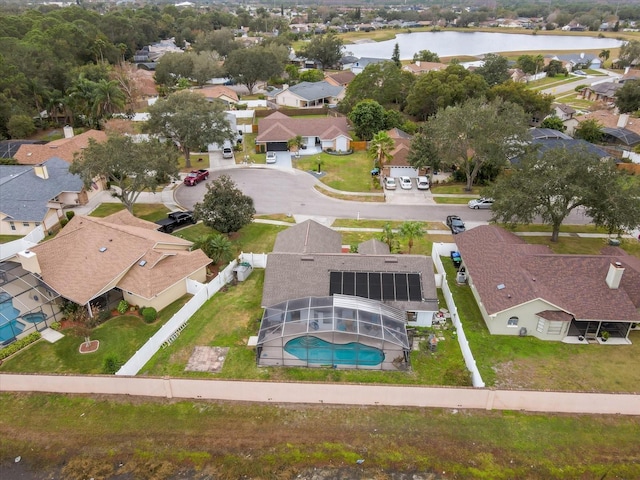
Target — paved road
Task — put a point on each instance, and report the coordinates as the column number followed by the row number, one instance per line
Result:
column 292, row 192
column 587, row 80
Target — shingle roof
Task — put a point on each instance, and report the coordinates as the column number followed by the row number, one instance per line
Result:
column 308, row 237
column 24, row 195
column 508, row 272
column 73, row 265
column 373, row 247
column 278, row 127
column 63, row 148
column 217, row 91
column 607, row 89
column 315, row 90
column 295, row 276
column 402, row 147
column 341, row 78
column 8, row 148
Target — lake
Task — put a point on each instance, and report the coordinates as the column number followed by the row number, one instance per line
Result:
column 449, row 44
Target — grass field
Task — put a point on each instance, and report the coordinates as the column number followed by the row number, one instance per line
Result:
column 349, row 173
column 95, row 437
column 146, row 211
column 9, row 238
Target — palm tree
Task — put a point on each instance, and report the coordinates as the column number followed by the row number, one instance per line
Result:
column 81, row 96
column 108, row 99
column 215, row 246
column 604, row 55
column 411, row 230
column 388, row 236
column 380, row 148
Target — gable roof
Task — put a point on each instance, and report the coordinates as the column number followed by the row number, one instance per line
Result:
column 507, row 272
column 8, row 148
column 340, row 78
column 402, row 147
column 314, row 90
column 606, row 89
column 73, row 265
column 217, row 91
column 24, row 195
column 424, row 67
column 279, row 127
column 373, row 247
column 308, row 237
column 63, row 148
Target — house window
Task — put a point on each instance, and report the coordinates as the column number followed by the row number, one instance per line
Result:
column 540, row 326
column 555, row 328
column 37, row 224
column 25, row 224
column 12, row 225
column 512, row 322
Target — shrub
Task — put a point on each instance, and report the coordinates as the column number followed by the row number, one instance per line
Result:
column 123, row 306
column 56, row 326
column 63, row 222
column 104, row 315
column 19, row 345
column 149, row 314
column 111, row 364
column 70, row 214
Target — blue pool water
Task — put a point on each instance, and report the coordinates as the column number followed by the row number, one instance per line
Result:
column 35, row 317
column 9, row 326
column 317, row 351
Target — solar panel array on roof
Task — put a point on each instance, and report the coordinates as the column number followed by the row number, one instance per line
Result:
column 377, row 285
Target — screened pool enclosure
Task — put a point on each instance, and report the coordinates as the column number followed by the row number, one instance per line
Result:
column 340, row 331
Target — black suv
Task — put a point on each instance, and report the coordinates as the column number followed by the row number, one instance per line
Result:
column 455, row 224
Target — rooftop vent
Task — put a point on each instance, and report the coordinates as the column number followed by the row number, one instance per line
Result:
column 501, row 286
column 142, row 263
column 307, row 259
column 391, row 260
column 103, row 249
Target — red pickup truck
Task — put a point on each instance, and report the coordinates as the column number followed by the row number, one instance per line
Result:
column 196, row 176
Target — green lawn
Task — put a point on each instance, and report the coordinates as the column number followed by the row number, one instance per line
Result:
column 451, row 200
column 584, row 246
column 350, row 173
column 515, row 362
column 350, row 223
column 147, row 211
column 9, row 238
column 455, row 189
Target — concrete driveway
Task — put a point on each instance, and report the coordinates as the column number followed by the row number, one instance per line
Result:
column 283, row 160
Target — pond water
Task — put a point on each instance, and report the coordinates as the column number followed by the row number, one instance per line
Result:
column 448, row 44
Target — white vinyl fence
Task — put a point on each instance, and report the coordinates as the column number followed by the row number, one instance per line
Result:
column 8, row 250
column 172, row 329
column 438, row 251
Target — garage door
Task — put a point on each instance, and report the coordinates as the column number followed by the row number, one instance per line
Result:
column 277, row 147
column 403, row 171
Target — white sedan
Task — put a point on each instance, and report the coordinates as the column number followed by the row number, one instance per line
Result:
column 480, row 203
column 272, row 157
column 405, row 183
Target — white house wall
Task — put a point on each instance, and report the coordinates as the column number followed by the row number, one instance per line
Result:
column 527, row 318
column 342, row 144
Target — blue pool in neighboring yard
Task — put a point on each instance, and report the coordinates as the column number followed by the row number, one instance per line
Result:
column 317, row 351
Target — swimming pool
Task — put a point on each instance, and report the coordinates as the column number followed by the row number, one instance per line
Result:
column 35, row 317
column 317, row 351
column 9, row 326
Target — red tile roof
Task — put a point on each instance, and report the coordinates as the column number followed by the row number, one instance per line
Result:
column 64, row 148
column 279, row 127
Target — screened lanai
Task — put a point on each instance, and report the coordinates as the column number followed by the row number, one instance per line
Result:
column 339, row 331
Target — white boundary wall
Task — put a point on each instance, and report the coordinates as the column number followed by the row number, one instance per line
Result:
column 8, row 250
column 325, row 393
column 444, row 249
column 201, row 293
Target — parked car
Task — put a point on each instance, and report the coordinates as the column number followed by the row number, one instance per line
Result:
column 422, row 183
column 196, row 176
column 405, row 183
column 480, row 203
column 227, row 152
column 456, row 224
column 175, row 220
column 272, row 157
column 389, row 183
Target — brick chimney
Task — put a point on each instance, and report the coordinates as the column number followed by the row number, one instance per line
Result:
column 614, row 275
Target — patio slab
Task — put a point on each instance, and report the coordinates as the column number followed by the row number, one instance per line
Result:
column 207, row 359
column 51, row 335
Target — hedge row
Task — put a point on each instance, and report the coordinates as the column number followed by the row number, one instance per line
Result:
column 19, row 345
